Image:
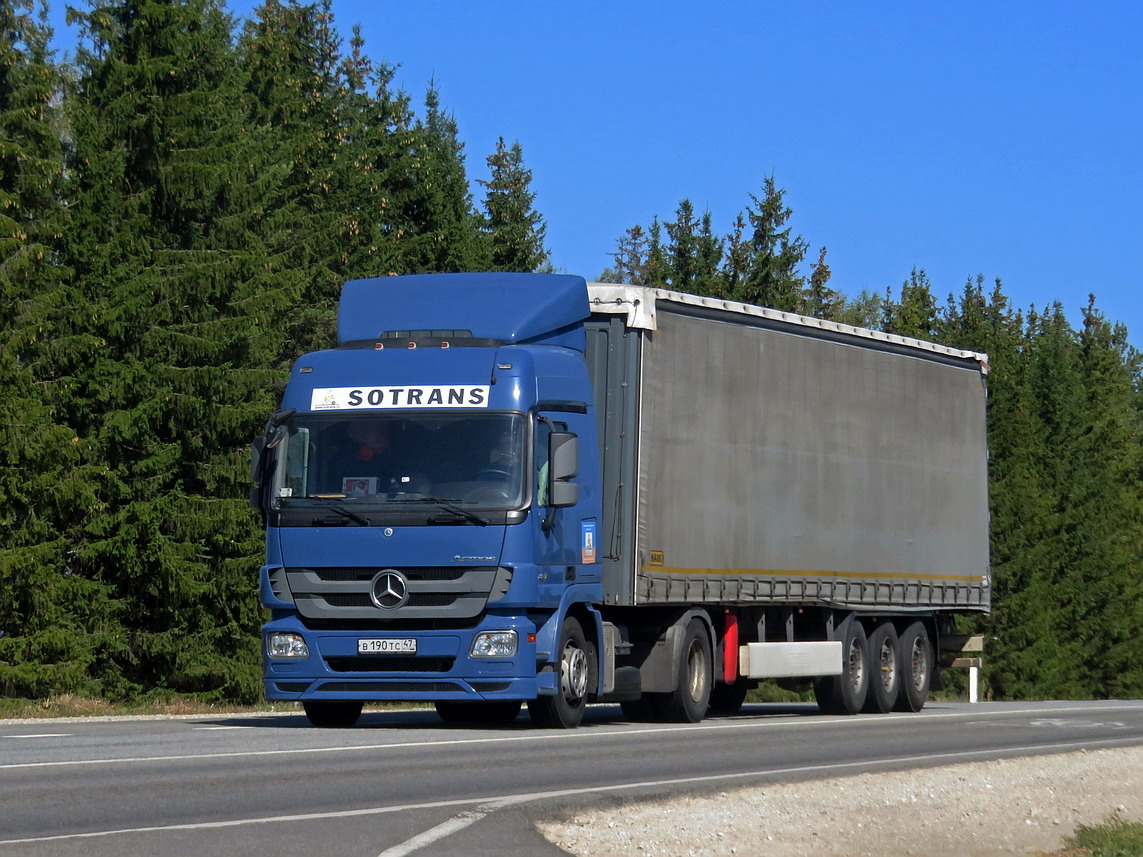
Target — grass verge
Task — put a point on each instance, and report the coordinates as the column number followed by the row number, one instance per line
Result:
column 68, row 705
column 1113, row 838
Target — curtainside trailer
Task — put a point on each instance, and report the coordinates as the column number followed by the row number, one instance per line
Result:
column 520, row 488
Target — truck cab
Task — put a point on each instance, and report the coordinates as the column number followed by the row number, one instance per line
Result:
column 432, row 520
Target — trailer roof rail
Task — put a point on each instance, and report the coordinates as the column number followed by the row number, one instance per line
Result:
column 639, row 304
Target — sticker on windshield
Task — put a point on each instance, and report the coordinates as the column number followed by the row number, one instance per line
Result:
column 366, row 398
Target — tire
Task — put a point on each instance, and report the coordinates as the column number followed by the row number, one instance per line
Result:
column 688, row 702
column 915, row 654
column 488, row 713
column 845, row 693
column 329, row 714
column 565, row 709
column 727, row 699
column 884, row 669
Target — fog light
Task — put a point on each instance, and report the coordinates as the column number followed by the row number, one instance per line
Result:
column 287, row 646
column 494, row 644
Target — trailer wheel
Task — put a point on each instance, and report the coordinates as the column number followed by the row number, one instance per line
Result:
column 688, row 702
column 479, row 712
column 565, row 709
column 885, row 669
column 915, row 654
column 845, row 693
column 330, row 714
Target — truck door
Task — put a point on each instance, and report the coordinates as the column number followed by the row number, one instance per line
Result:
column 556, row 523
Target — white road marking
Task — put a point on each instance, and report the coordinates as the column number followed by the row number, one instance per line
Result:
column 41, row 735
column 217, row 728
column 527, row 797
column 577, row 735
column 447, row 828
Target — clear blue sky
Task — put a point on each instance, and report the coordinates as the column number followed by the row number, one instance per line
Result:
column 994, row 138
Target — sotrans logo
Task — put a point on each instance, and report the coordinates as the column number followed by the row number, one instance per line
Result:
column 365, row 398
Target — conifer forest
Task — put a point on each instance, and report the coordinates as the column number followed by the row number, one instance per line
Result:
column 180, row 202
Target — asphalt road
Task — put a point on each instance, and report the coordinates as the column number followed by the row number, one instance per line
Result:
column 405, row 783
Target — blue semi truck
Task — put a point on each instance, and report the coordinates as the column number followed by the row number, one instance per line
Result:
column 502, row 489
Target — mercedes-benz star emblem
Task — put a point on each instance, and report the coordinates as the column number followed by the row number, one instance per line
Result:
column 390, row 590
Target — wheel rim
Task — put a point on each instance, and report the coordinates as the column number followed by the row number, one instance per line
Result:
column 919, row 664
column 573, row 682
column 856, row 666
column 888, row 664
column 696, row 671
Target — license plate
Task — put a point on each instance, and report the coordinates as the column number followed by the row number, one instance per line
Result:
column 375, row 647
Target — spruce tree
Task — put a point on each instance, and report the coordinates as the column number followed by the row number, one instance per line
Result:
column 819, row 300
column 708, row 258
column 183, row 296
column 375, row 168
column 1050, row 650
column 513, row 230
column 915, row 313
column 1102, row 589
column 629, row 261
column 442, row 232
column 658, row 270
column 53, row 619
column 289, row 80
column 736, row 264
column 771, row 278
column 682, row 248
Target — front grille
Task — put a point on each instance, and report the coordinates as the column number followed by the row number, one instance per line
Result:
column 392, row 625
column 341, row 575
column 390, row 664
column 427, row 599
column 448, row 593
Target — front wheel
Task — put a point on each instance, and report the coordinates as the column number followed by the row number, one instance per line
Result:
column 329, row 714
column 565, row 709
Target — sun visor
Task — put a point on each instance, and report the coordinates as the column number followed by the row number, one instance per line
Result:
column 511, row 308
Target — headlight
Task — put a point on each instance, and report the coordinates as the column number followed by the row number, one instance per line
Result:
column 287, row 646
column 494, row 644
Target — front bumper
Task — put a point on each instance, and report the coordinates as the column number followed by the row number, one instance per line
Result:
column 441, row 669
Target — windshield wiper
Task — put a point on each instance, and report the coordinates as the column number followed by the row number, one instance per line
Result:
column 347, row 513
column 448, row 505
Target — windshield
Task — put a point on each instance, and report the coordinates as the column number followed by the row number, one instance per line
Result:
column 375, row 459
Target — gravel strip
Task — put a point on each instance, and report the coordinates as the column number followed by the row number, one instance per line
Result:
column 978, row 809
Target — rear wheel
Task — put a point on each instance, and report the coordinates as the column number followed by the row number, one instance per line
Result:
column 915, row 654
column 565, row 709
column 845, row 693
column 689, row 701
column 479, row 712
column 885, row 672
column 332, row 714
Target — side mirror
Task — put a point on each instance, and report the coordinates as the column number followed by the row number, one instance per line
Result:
column 563, row 457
